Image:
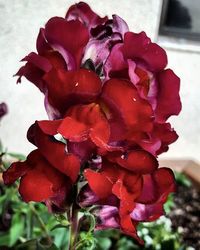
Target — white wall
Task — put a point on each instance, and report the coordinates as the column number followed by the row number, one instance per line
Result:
column 20, row 21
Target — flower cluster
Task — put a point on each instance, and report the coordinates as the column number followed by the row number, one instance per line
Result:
column 108, row 97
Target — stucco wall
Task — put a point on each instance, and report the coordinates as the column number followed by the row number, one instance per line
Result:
column 20, row 21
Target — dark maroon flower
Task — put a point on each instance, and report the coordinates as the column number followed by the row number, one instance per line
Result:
column 53, row 173
column 3, row 109
column 142, row 62
column 108, row 96
column 141, row 197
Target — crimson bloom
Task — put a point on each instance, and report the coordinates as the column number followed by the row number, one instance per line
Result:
column 108, row 97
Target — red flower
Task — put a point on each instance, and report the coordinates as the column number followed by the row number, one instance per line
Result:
column 143, row 63
column 54, row 173
column 108, row 97
column 139, row 195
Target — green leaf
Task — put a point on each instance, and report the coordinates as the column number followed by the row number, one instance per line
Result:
column 62, row 219
column 36, row 244
column 4, row 239
column 182, row 179
column 17, row 228
column 168, row 206
column 29, row 245
column 59, row 226
column 104, row 243
column 60, row 236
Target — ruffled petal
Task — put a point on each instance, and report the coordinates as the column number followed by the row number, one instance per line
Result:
column 71, row 38
column 128, row 188
column 39, row 61
column 107, row 217
column 41, row 43
column 49, row 127
column 99, row 183
column 119, row 25
column 139, row 46
column 33, row 74
column 87, row 197
column 54, row 152
column 41, row 182
column 127, row 225
column 83, row 150
column 157, row 186
column 159, row 139
column 168, row 99
column 137, row 161
column 133, row 115
column 67, row 88
column 98, row 50
column 147, row 212
column 115, row 65
column 15, row 171
column 82, row 12
column 83, row 122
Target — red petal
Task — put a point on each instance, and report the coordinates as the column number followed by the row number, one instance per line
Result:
column 54, row 152
column 135, row 113
column 166, row 183
column 127, row 225
column 84, row 121
column 15, row 171
column 41, row 44
column 159, row 139
column 38, row 61
column 128, row 188
column 50, row 127
column 166, row 134
column 73, row 130
column 35, row 186
column 168, row 100
column 56, row 59
column 139, row 47
column 67, row 88
column 72, row 36
column 138, row 161
column 42, row 181
column 99, row 184
column 157, row 186
column 34, row 69
column 33, row 74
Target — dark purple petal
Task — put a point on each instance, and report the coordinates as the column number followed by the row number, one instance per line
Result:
column 3, row 109
column 107, row 217
column 149, row 212
column 82, row 12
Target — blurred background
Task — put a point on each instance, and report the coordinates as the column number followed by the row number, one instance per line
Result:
column 174, row 24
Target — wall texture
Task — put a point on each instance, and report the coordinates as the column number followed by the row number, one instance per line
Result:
column 20, row 21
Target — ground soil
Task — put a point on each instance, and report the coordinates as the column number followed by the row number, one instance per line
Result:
column 185, row 215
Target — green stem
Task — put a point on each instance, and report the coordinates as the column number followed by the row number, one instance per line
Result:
column 73, row 228
column 40, row 221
